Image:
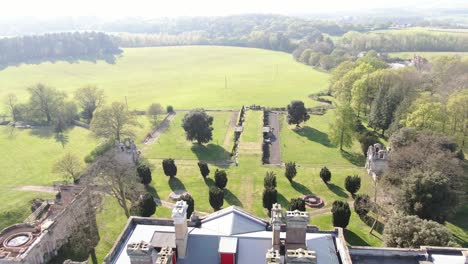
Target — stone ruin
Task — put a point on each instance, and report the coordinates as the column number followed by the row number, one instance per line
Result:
column 128, row 146
column 377, row 160
column 39, row 238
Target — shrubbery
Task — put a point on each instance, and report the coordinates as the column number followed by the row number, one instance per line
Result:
column 98, row 151
column 204, row 170
column 290, row 170
column 340, row 214
column 220, row 178
column 169, row 167
column 325, row 174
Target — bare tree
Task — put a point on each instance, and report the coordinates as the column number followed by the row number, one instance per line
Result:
column 114, row 122
column 116, row 174
column 70, row 166
column 89, row 98
column 11, row 102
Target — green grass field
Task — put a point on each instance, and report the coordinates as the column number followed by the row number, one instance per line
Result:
column 185, row 77
column 172, row 144
column 27, row 159
column 314, row 144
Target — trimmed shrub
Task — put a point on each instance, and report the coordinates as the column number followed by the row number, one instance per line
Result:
column 269, row 198
column 297, row 204
column 270, row 180
column 145, row 206
column 265, row 153
column 169, row 167
column 290, row 171
column 221, row 178
column 190, row 203
column 170, row 109
column 362, row 204
column 353, row 184
column 216, row 197
column 325, row 174
column 340, row 214
column 144, row 173
column 204, row 170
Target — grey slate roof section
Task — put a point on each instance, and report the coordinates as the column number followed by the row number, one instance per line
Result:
column 231, row 221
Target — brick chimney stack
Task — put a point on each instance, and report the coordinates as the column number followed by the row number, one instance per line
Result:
column 166, row 256
column 273, row 256
column 300, row 256
column 179, row 215
column 276, row 221
column 141, row 253
column 296, row 225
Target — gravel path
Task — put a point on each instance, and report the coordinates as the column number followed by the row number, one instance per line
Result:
column 36, row 188
column 275, row 150
column 155, row 134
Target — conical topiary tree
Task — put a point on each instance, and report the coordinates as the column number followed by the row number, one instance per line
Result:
column 144, row 173
column 340, row 214
column 216, row 197
column 190, row 203
column 204, row 170
column 221, row 178
column 353, row 184
column 270, row 180
column 325, row 174
column 290, row 170
column 362, row 204
column 169, row 167
column 297, row 204
column 269, row 198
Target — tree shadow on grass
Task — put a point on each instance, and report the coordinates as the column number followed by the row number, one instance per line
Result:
column 313, row 134
column 211, row 152
column 62, row 138
column 282, row 200
column 355, row 158
column 176, row 184
column 369, row 221
column 209, row 182
column 151, row 190
column 42, row 132
column 231, row 198
column 337, row 190
column 354, row 239
column 300, row 188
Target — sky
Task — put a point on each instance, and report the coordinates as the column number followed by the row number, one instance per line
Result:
column 165, row 8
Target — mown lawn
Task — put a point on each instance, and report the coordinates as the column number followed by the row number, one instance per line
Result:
column 186, row 77
column 310, row 144
column 27, row 157
column 172, row 144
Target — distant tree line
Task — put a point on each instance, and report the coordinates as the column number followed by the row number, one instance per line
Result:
column 76, row 45
column 404, row 41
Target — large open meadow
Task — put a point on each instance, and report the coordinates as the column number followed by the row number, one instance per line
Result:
column 185, row 77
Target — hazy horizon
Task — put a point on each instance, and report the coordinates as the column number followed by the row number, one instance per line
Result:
column 147, row 8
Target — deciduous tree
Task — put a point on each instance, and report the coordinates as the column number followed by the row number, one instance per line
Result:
column 413, row 232
column 69, row 166
column 197, row 125
column 153, row 113
column 114, row 122
column 297, row 113
column 342, row 128
column 89, row 98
